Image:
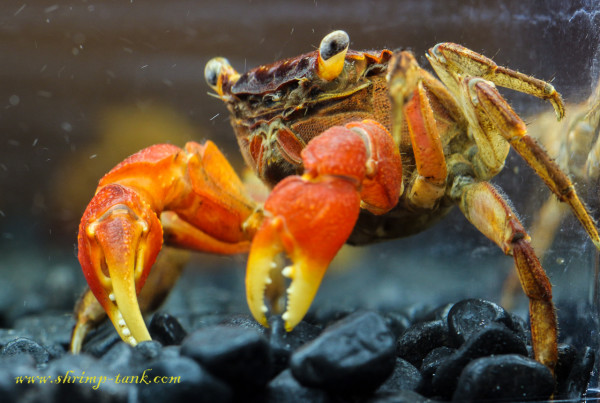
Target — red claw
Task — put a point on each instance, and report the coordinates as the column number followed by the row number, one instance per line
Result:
column 308, row 218
column 119, row 239
column 193, row 194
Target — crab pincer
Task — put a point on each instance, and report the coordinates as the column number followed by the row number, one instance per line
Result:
column 117, row 247
column 161, row 191
column 308, row 218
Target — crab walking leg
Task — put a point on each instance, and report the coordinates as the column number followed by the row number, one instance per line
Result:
column 586, row 128
column 467, row 72
column 543, row 231
column 201, row 202
column 458, row 61
column 308, row 218
column 487, row 210
column 513, row 129
column 429, row 183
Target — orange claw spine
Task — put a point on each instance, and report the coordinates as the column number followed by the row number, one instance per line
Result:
column 310, row 217
column 190, row 195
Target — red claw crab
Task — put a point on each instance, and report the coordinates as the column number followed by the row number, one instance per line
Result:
column 357, row 147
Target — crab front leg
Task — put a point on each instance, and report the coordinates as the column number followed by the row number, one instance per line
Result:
column 192, row 196
column 308, row 218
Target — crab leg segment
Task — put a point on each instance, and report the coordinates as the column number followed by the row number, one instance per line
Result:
column 515, row 132
column 202, row 206
column 454, row 59
column 308, row 218
column 430, row 183
column 486, row 209
column 409, row 90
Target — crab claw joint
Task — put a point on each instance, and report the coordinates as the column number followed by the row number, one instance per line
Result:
column 117, row 247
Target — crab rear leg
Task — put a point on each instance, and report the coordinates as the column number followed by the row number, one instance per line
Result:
column 308, row 218
column 487, row 210
column 514, row 131
column 201, row 204
column 466, row 73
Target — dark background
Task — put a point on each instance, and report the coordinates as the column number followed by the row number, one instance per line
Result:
column 83, row 84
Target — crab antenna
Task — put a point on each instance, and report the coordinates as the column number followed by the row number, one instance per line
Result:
column 332, row 54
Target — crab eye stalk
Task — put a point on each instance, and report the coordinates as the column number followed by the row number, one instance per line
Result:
column 332, row 54
column 218, row 71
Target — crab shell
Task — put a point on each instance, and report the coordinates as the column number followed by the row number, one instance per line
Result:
column 277, row 109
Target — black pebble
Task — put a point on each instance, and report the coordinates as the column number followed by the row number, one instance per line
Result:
column 101, row 340
column 574, row 386
column 284, row 343
column 404, row 377
column 441, row 312
column 403, row 396
column 166, row 329
column 147, row 350
column 328, row 313
column 186, row 381
column 239, row 356
column 500, row 377
column 521, row 328
column 567, row 355
column 493, row 339
column 284, row 388
column 468, row 316
column 243, row 322
column 430, row 364
column 418, row 340
column 118, row 358
column 73, row 388
column 11, row 390
column 145, row 354
column 356, row 354
column 397, row 322
column 48, row 328
column 24, row 345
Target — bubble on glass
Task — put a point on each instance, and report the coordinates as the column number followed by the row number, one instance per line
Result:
column 14, row 100
column 66, row 126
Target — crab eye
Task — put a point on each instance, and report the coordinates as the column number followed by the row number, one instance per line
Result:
column 334, row 43
column 332, row 54
column 213, row 70
column 218, row 72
